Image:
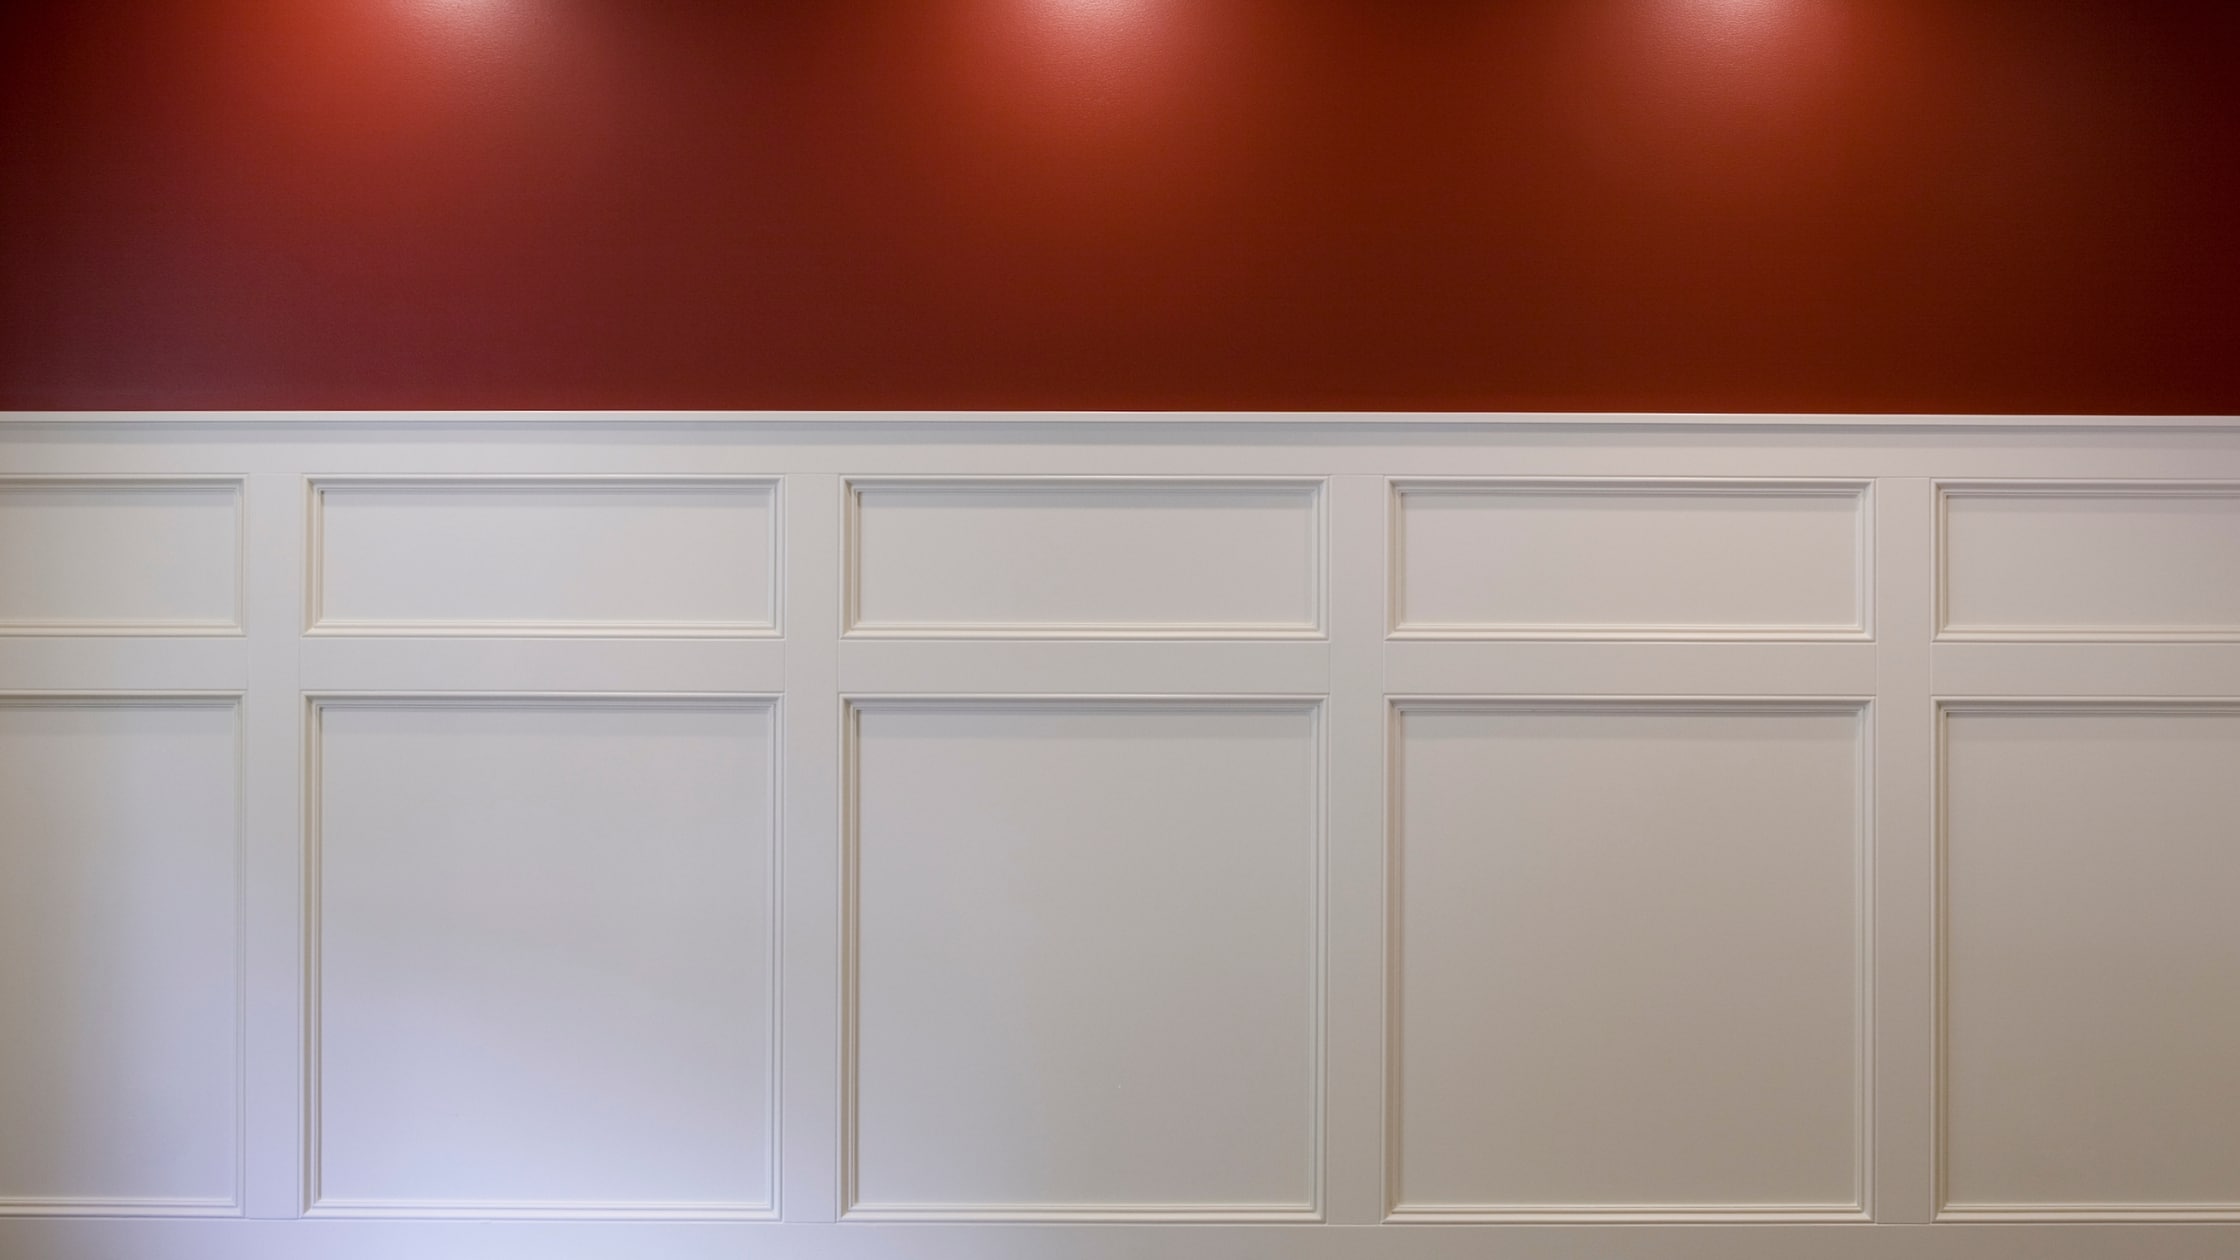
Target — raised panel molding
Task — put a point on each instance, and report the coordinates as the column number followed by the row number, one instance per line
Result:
column 1666, row 559
column 2088, row 561
column 1562, row 993
column 162, row 1062
column 1152, row 841
column 121, row 555
column 1084, row 557
column 2118, row 955
column 561, row 918
column 667, row 556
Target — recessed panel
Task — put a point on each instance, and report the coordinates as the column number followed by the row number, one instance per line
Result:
column 1084, row 959
column 672, row 556
column 1628, row 960
column 1169, row 557
column 123, row 556
column 119, row 955
column 544, row 956
column 1554, row 558
column 2122, row 562
column 2091, row 960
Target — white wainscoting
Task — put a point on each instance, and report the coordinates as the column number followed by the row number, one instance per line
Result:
column 1241, row 836
column 120, row 555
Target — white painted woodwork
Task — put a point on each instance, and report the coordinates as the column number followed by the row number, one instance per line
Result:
column 120, row 954
column 1083, row 959
column 2091, row 561
column 1085, row 557
column 1630, row 559
column 542, row 960
column 2091, row 960
column 543, row 555
column 1008, row 836
column 1629, row 952
column 120, row 555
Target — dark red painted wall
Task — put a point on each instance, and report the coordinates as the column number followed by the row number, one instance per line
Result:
column 1880, row 205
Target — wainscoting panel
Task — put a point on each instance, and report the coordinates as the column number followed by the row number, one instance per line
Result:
column 2091, row 561
column 541, row 949
column 1555, row 957
column 543, row 555
column 120, row 954
column 1085, row 557
column 120, row 555
column 1083, row 959
column 1043, row 837
column 2091, row 960
column 1637, row 559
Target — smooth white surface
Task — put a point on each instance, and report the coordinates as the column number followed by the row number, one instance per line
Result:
column 119, row 954
column 2092, row 959
column 1085, row 958
column 543, row 946
column 1641, row 559
column 2085, row 561
column 576, row 555
column 134, row 555
column 571, row 874
column 1629, row 955
column 1109, row 557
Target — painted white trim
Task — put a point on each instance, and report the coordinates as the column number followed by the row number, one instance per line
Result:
column 853, row 706
column 317, row 623
column 1861, row 709
column 313, row 1203
column 119, row 1205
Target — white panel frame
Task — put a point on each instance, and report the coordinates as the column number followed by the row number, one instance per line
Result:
column 1860, row 492
column 313, row 1203
column 317, row 623
column 232, row 1205
column 853, row 626
column 2021, row 1213
column 1948, row 490
column 1860, row 1209
column 233, row 627
column 852, row 1208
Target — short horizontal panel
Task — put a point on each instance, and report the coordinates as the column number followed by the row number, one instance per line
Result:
column 2122, row 670
column 120, row 955
column 1083, row 959
column 129, row 555
column 543, row 956
column 609, row 556
column 2089, row 561
column 2090, row 960
column 544, row 665
column 1629, row 960
column 1085, row 557
column 1558, row 558
column 1163, row 667
column 1450, row 667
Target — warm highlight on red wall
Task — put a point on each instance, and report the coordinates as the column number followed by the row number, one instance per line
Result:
column 1823, row 205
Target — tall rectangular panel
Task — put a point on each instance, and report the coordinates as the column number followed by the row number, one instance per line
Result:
column 543, row 956
column 1561, row 558
column 1628, row 957
column 1097, row 557
column 1083, row 961
column 120, row 955
column 2089, row 561
column 120, row 555
column 2090, row 961
column 607, row 556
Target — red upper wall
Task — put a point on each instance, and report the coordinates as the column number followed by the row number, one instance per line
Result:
column 1824, row 205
